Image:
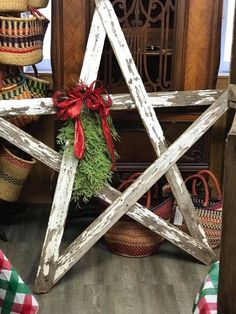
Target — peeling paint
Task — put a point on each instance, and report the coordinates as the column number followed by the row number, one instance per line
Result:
column 171, row 236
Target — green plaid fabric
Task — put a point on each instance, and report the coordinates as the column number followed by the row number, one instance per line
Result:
column 206, row 299
column 15, row 297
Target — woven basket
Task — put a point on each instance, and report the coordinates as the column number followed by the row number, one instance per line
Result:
column 131, row 239
column 13, row 5
column 38, row 88
column 209, row 210
column 21, row 39
column 39, row 4
column 15, row 87
column 14, row 171
column 211, row 221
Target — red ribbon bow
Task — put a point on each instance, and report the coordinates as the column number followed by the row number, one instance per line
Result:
column 70, row 106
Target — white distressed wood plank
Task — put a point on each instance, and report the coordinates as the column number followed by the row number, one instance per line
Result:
column 169, row 99
column 50, row 251
column 93, row 53
column 29, row 144
column 36, row 106
column 44, row 106
column 56, row 223
column 147, row 114
column 121, row 205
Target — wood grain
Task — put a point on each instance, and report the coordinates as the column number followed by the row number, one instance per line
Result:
column 55, row 229
column 69, row 31
column 227, row 275
column 49, row 257
column 44, row 106
column 202, row 47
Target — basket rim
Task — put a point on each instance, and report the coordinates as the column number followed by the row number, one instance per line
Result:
column 31, row 77
column 23, row 19
column 7, row 88
column 33, row 161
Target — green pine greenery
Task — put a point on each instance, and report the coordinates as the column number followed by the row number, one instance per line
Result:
column 94, row 170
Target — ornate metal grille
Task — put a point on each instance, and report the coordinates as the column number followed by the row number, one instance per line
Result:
column 149, row 29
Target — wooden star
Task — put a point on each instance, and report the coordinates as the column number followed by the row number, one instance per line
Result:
column 54, row 265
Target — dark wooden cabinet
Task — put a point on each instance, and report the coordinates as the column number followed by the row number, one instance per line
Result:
column 136, row 151
column 152, row 29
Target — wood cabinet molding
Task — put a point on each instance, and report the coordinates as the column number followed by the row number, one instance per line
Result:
column 180, row 43
column 202, row 49
column 69, row 29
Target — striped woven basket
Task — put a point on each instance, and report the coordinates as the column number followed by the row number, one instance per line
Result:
column 21, row 39
column 209, row 210
column 131, row 239
column 15, row 87
column 14, row 171
column 13, row 5
column 39, row 4
column 38, row 88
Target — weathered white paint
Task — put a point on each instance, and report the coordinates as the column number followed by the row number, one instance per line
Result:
column 61, row 200
column 147, row 113
column 152, row 221
column 93, row 53
column 50, row 251
column 37, row 106
column 208, row 99
column 44, row 106
column 201, row 92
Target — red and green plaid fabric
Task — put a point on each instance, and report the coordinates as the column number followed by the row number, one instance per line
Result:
column 15, row 297
column 206, row 299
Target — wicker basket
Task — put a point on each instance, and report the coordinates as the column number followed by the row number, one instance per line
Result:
column 15, row 87
column 131, row 239
column 209, row 210
column 14, row 171
column 38, row 88
column 21, row 39
column 13, row 5
column 39, row 4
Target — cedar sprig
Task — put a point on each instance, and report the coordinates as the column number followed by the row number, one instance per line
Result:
column 93, row 170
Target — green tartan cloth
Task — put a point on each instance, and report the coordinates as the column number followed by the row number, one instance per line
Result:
column 206, row 299
column 15, row 296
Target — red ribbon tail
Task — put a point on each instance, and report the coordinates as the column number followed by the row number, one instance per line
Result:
column 109, row 142
column 79, row 144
